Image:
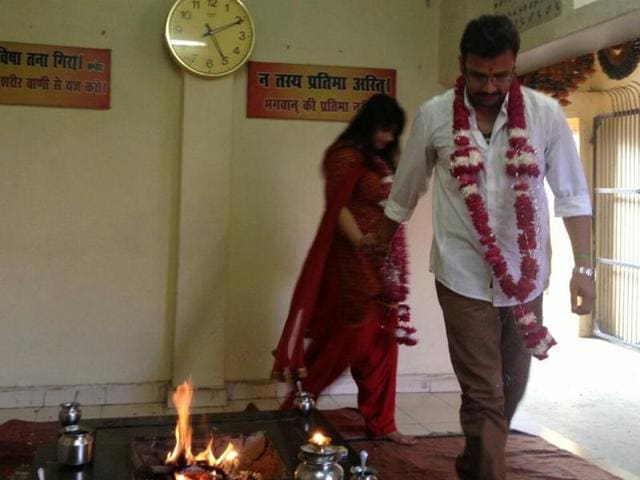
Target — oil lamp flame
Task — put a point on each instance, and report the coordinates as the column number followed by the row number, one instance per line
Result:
column 319, row 439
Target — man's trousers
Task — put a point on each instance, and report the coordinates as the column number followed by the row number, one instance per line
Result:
column 492, row 366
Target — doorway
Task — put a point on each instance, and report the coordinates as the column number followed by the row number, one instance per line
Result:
column 617, row 223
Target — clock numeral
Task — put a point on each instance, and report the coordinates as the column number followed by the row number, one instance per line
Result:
column 225, row 60
column 185, row 14
column 213, row 3
column 177, row 29
column 242, row 35
column 195, row 3
column 209, row 63
column 191, row 59
column 239, row 20
column 236, row 50
column 227, row 7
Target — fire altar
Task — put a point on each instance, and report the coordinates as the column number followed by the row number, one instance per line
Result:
column 120, row 444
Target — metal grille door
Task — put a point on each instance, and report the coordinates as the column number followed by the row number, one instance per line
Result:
column 617, row 226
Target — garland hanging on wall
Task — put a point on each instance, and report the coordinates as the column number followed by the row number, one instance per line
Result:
column 560, row 79
column 619, row 61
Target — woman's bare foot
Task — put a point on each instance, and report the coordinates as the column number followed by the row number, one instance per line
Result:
column 400, row 438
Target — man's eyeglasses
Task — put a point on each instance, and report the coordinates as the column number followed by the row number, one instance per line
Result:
column 499, row 79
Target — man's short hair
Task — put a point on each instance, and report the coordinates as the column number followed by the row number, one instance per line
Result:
column 488, row 36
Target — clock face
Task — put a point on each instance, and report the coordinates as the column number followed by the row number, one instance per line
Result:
column 210, row 38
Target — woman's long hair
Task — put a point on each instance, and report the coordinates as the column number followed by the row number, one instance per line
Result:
column 379, row 112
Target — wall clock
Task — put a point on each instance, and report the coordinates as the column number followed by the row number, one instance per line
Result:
column 209, row 38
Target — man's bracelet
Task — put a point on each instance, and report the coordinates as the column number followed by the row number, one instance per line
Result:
column 587, row 271
column 582, row 256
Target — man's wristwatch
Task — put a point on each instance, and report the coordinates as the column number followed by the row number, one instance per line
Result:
column 588, row 271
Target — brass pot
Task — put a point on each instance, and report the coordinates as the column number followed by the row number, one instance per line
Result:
column 303, row 401
column 69, row 414
column 320, row 462
column 75, row 448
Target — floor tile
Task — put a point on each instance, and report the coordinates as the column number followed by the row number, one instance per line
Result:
column 50, row 414
column 7, row 414
column 412, row 429
column 432, row 410
column 136, row 393
column 586, row 393
column 83, row 394
column 134, row 410
column 450, row 398
column 403, row 417
column 261, row 403
column 202, row 410
column 451, row 427
column 327, row 402
column 417, row 399
column 346, row 401
column 22, row 398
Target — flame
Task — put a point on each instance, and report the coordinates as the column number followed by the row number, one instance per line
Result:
column 182, row 400
column 207, row 455
column 319, row 439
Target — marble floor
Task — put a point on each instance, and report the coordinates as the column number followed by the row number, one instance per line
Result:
column 585, row 398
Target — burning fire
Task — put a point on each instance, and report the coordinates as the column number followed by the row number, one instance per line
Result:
column 182, row 452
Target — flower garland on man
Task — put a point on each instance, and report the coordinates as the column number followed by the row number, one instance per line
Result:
column 488, row 144
column 466, row 166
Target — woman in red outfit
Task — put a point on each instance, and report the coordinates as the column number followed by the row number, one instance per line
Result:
column 346, row 301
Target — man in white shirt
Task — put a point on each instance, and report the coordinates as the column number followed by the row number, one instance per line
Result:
column 490, row 254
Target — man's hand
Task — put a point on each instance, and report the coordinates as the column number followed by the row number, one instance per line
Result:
column 583, row 287
column 385, row 232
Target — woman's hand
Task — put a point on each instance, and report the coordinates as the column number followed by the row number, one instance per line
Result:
column 370, row 242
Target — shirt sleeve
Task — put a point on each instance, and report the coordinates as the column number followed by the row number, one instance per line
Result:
column 564, row 171
column 412, row 176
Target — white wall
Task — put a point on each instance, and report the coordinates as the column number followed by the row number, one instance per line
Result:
column 87, row 201
column 276, row 180
column 145, row 243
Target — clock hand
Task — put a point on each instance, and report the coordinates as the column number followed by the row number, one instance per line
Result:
column 217, row 45
column 211, row 33
column 224, row 27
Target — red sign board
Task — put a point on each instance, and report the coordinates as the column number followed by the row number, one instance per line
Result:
column 32, row 74
column 313, row 92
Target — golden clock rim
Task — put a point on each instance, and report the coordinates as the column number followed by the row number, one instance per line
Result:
column 197, row 72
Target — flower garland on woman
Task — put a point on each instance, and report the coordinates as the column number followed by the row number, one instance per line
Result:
column 466, row 165
column 396, row 279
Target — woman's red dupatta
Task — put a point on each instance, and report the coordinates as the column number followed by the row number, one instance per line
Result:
column 289, row 354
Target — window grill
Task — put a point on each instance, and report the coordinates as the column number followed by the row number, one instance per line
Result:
column 616, row 191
